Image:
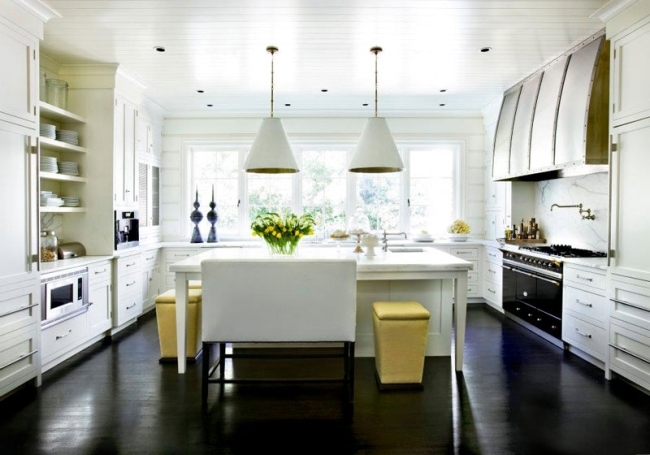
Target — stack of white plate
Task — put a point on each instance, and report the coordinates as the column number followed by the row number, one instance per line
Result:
column 68, row 168
column 49, row 199
column 70, row 137
column 70, row 201
column 48, row 164
column 47, row 130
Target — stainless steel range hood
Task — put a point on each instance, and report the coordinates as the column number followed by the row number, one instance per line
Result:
column 555, row 122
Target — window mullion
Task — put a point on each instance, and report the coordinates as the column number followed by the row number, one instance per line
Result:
column 242, row 192
column 404, row 208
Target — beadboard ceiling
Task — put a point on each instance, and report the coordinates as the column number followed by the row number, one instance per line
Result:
column 219, row 46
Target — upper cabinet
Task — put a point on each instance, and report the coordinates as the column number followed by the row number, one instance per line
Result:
column 19, row 95
column 558, row 117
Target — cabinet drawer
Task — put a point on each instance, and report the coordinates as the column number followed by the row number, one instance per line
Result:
column 584, row 277
column 630, row 302
column 128, row 265
column 19, row 308
column 585, row 303
column 99, row 272
column 128, row 308
column 129, row 284
column 493, row 292
column 472, row 290
column 464, row 253
column 493, row 255
column 585, row 336
column 150, row 258
column 472, row 277
column 493, row 272
column 629, row 352
column 55, row 340
column 178, row 254
column 19, row 357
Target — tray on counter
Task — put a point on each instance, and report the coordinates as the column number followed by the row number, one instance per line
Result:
column 523, row 241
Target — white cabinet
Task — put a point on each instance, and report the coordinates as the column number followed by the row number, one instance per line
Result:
column 20, row 319
column 100, row 298
column 630, row 95
column 124, row 162
column 127, row 298
column 493, row 277
column 584, row 312
column 144, row 136
column 17, row 80
column 471, row 254
column 59, row 341
column 172, row 255
column 150, row 278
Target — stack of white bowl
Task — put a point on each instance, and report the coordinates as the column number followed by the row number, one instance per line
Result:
column 70, row 201
column 49, row 164
column 68, row 168
column 47, row 130
column 70, row 137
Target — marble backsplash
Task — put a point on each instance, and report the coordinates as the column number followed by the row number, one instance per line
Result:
column 564, row 225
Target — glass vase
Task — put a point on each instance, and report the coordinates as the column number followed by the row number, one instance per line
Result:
column 282, row 249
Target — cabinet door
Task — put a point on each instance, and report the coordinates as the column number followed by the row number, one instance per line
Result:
column 124, row 172
column 503, row 135
column 118, row 154
column 99, row 312
column 17, row 80
column 630, row 223
column 630, row 74
column 142, row 134
column 17, row 204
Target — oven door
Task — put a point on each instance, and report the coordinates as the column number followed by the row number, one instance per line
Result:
column 61, row 297
column 534, row 298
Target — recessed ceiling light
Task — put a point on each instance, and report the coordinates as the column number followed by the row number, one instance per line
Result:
column 442, row 104
column 323, row 90
column 443, row 90
column 209, row 105
column 200, row 91
column 365, row 104
column 159, row 48
column 287, row 104
column 486, row 49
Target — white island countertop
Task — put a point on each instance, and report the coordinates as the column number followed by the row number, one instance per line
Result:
column 432, row 276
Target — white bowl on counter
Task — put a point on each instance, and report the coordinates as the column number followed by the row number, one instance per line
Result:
column 458, row 237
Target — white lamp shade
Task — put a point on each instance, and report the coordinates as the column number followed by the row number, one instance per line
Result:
column 271, row 152
column 376, row 151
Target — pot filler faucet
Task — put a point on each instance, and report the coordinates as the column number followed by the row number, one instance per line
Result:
column 588, row 215
column 385, row 239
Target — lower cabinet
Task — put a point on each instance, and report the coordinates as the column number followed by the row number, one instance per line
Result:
column 629, row 329
column 150, row 279
column 493, row 277
column 172, row 255
column 58, row 341
column 471, row 254
column 100, row 293
column 584, row 313
column 127, row 298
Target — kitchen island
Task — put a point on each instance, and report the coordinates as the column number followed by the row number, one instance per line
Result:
column 431, row 277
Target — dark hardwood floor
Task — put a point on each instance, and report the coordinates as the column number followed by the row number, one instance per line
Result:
column 518, row 394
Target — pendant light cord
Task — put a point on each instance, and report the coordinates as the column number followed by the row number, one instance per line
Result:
column 272, row 50
column 376, row 50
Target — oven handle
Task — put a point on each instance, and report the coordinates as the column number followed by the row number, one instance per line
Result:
column 557, row 283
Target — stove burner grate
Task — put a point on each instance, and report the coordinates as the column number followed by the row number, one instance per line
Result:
column 566, row 251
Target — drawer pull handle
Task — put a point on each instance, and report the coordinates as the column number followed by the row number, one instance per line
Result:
column 590, row 305
column 181, row 255
column 539, row 319
column 493, row 255
column 530, row 315
column 97, row 272
column 149, row 258
column 18, row 359
column 130, row 265
column 493, row 292
column 584, row 278
column 58, row 337
column 130, row 306
column 17, row 310
column 586, row 335
column 638, row 307
column 90, row 304
column 492, row 271
column 636, row 356
column 130, row 284
column 463, row 252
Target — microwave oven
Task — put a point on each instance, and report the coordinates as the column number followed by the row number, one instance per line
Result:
column 63, row 294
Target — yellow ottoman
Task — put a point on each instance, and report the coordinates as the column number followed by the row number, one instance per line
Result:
column 400, row 330
column 166, row 316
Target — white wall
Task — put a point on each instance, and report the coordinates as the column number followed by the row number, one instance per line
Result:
column 176, row 131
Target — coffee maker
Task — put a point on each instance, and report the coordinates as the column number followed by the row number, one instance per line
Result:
column 127, row 232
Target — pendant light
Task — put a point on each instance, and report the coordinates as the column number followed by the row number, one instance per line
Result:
column 376, row 151
column 271, row 152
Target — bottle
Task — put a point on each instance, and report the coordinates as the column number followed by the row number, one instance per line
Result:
column 513, row 236
column 521, row 229
column 49, row 246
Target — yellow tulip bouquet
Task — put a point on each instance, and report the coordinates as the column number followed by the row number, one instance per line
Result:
column 282, row 233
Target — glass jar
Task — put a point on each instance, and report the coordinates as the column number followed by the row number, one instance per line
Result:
column 57, row 93
column 42, row 87
column 49, row 246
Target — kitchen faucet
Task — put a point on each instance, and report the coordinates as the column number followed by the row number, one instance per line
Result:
column 385, row 239
column 588, row 216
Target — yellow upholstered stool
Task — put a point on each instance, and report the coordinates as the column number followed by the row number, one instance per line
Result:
column 400, row 330
column 166, row 316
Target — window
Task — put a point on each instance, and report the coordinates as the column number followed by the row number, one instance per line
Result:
column 426, row 196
